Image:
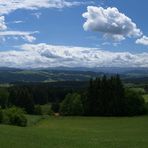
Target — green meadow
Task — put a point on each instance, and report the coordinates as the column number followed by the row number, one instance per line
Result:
column 77, row 132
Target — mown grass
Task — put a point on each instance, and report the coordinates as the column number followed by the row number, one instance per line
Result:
column 78, row 132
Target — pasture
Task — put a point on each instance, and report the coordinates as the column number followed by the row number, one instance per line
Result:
column 77, row 132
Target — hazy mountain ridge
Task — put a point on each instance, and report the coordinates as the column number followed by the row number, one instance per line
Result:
column 11, row 75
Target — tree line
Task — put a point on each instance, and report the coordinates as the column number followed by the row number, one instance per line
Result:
column 102, row 97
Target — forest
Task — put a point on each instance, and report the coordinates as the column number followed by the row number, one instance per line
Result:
column 102, row 96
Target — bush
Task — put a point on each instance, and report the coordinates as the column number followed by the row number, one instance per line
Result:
column 46, row 109
column 50, row 112
column 138, row 90
column 1, row 115
column 146, row 107
column 55, row 107
column 38, row 110
column 16, row 116
column 72, row 105
column 135, row 104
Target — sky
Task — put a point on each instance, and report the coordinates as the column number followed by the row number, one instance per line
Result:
column 73, row 33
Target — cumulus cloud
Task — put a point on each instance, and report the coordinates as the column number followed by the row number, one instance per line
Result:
column 28, row 36
column 7, row 6
column 44, row 55
column 110, row 22
column 142, row 41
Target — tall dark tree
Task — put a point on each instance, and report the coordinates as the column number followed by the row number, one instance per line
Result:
column 4, row 96
column 105, row 97
column 88, row 99
column 21, row 97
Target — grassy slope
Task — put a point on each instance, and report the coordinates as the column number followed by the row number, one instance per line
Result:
column 78, row 132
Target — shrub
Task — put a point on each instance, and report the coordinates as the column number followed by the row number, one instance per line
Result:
column 16, row 116
column 72, row 105
column 50, row 112
column 55, row 107
column 135, row 104
column 146, row 107
column 38, row 110
column 46, row 109
column 1, row 115
column 138, row 90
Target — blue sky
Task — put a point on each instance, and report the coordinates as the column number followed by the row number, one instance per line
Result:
column 61, row 24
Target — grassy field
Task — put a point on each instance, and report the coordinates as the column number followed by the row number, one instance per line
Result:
column 77, row 132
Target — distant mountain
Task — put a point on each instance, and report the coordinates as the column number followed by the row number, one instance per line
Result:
column 12, row 75
column 9, row 69
column 113, row 70
column 44, row 75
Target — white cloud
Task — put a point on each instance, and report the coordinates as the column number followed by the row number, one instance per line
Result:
column 17, row 22
column 28, row 36
column 2, row 23
column 142, row 41
column 7, row 6
column 37, row 14
column 44, row 55
column 4, row 33
column 110, row 22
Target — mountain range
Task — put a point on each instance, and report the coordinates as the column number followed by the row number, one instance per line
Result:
column 12, row 75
